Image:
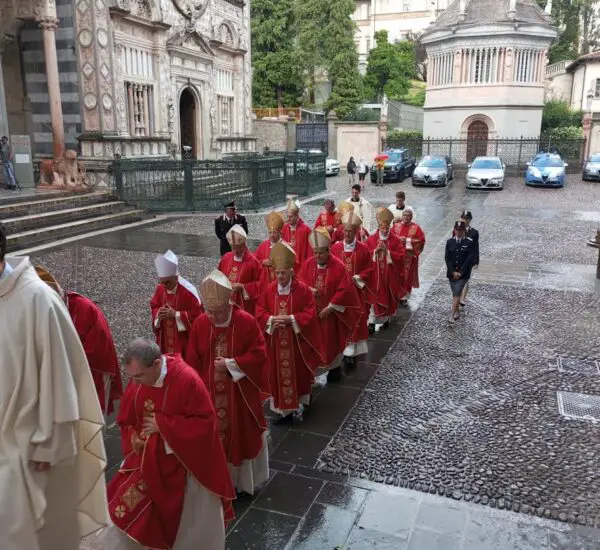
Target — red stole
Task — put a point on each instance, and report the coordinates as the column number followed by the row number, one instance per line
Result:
column 247, row 272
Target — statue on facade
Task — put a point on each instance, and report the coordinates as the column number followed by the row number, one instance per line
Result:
column 64, row 172
column 171, row 116
column 213, row 118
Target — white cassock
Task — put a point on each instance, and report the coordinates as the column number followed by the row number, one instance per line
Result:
column 49, row 412
column 364, row 209
column 398, row 213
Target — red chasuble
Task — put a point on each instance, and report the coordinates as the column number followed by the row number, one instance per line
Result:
column 334, row 286
column 263, row 252
column 359, row 262
column 99, row 347
column 411, row 260
column 298, row 239
column 248, row 272
column 238, row 404
column 293, row 357
column 147, row 493
column 338, row 235
column 388, row 279
column 183, row 301
column 327, row 219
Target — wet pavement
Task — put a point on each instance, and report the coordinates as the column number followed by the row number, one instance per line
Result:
column 436, row 421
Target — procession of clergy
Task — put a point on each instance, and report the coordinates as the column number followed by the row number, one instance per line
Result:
column 263, row 327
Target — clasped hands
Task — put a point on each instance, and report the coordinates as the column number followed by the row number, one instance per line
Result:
column 237, row 287
column 281, row 321
column 138, row 441
column 166, row 312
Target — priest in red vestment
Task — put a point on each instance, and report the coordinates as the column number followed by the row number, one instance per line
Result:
column 227, row 348
column 296, row 232
column 413, row 238
column 338, row 234
column 358, row 261
column 328, row 218
column 275, row 223
column 97, row 341
column 174, row 305
column 338, row 305
column 242, row 269
column 173, row 489
column 388, row 277
column 286, row 312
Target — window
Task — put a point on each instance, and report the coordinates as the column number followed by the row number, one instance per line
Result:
column 225, row 115
column 597, row 89
column 368, row 45
column 140, row 114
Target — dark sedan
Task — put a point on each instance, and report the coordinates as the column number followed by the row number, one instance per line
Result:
column 591, row 170
column 435, row 170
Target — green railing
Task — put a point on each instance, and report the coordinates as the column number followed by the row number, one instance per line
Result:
column 253, row 181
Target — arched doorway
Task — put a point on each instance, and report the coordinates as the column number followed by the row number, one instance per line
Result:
column 187, row 124
column 477, row 138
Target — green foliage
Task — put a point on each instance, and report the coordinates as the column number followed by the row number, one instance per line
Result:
column 558, row 114
column 276, row 63
column 565, row 133
column 417, row 99
column 364, row 115
column 390, row 68
column 400, row 135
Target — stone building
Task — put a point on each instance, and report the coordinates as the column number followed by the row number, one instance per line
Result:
column 138, row 78
column 485, row 69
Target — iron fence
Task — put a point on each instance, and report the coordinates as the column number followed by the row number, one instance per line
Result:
column 254, row 181
column 515, row 153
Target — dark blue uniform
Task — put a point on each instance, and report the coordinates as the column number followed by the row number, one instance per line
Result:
column 473, row 234
column 223, row 224
column 459, row 257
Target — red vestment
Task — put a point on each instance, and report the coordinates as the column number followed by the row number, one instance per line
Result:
column 238, row 404
column 168, row 337
column 338, row 235
column 298, row 239
column 99, row 347
column 388, row 279
column 358, row 262
column 147, row 493
column 248, row 272
column 334, row 286
column 411, row 260
column 327, row 220
column 262, row 253
column 294, row 351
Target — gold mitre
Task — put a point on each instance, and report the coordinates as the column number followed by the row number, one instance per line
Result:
column 293, row 207
column 319, row 239
column 384, row 216
column 282, row 256
column 351, row 220
column 398, row 214
column 45, row 276
column 215, row 290
column 236, row 235
column 275, row 221
column 344, row 207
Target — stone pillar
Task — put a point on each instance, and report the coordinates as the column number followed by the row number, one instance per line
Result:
column 332, row 134
column 49, row 25
column 4, row 131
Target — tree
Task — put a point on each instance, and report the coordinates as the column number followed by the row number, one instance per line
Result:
column 341, row 58
column 277, row 79
column 390, row 67
column 558, row 114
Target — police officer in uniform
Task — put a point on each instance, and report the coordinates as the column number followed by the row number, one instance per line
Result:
column 460, row 255
column 225, row 222
column 472, row 234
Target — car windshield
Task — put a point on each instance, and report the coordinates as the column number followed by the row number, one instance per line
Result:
column 394, row 157
column 543, row 162
column 429, row 162
column 595, row 158
column 487, row 164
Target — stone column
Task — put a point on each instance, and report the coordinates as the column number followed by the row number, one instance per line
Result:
column 49, row 25
column 4, row 131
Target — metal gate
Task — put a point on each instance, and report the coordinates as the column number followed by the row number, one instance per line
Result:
column 312, row 136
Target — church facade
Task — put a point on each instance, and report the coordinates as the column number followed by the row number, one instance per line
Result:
column 135, row 78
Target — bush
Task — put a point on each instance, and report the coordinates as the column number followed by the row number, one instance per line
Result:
column 558, row 114
column 565, row 133
column 399, row 135
column 364, row 115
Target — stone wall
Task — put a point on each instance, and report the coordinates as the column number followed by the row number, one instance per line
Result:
column 270, row 133
column 356, row 139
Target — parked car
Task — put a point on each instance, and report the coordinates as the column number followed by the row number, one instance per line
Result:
column 591, row 169
column 547, row 170
column 400, row 164
column 433, row 170
column 332, row 167
column 486, row 173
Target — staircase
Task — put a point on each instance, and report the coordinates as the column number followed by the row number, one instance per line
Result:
column 40, row 219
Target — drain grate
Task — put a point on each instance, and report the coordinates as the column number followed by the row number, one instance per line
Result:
column 579, row 406
column 579, row 366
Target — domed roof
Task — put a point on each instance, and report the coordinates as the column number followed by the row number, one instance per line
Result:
column 477, row 12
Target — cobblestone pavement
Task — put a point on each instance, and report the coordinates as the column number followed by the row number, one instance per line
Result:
column 469, row 412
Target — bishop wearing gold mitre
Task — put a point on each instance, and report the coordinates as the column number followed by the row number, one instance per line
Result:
column 242, row 269
column 227, row 348
column 338, row 234
column 275, row 223
column 296, row 232
column 286, row 311
column 358, row 261
column 338, row 305
column 388, row 278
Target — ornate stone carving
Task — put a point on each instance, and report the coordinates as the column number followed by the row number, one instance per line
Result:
column 213, row 118
column 47, row 22
column 65, row 172
column 171, row 117
column 191, row 9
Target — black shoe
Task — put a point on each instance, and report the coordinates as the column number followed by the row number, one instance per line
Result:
column 372, row 328
column 385, row 325
column 334, row 375
column 351, row 362
column 462, row 304
column 280, row 420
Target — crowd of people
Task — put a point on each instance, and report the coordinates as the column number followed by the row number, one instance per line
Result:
column 263, row 328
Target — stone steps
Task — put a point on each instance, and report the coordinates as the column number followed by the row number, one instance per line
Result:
column 42, row 219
